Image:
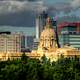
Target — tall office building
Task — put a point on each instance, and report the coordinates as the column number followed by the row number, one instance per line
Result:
column 10, row 43
column 30, row 40
column 22, row 41
column 40, row 23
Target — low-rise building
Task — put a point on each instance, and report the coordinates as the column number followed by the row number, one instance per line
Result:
column 10, row 43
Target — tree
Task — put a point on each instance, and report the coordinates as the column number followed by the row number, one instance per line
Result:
column 24, row 57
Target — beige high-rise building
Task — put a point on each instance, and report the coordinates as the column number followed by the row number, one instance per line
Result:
column 10, row 43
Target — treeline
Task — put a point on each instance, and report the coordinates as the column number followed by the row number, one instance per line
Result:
column 34, row 69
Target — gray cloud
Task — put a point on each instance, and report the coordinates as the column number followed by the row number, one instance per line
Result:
column 22, row 12
column 65, row 7
column 75, row 3
column 18, row 19
column 10, row 6
column 58, row 8
column 19, row 6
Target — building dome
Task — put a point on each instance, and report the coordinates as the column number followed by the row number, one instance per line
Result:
column 48, row 32
column 48, row 37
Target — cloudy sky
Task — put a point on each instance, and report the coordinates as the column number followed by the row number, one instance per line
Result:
column 23, row 12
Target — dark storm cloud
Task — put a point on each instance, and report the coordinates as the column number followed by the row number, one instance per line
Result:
column 17, row 13
column 60, row 7
column 18, row 19
column 63, row 7
column 22, row 12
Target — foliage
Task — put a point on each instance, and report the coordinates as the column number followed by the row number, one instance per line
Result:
column 34, row 69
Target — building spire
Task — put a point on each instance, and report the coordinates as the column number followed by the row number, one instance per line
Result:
column 48, row 23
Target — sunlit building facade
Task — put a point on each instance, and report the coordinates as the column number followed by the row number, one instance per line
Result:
column 10, row 43
column 47, row 46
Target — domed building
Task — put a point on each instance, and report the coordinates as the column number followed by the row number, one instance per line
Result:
column 48, row 38
column 48, row 45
